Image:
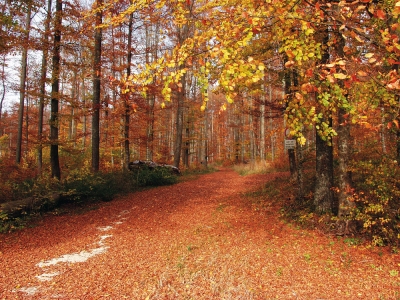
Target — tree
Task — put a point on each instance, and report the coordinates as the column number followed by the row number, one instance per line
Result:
column 96, row 89
column 42, row 92
column 22, row 87
column 55, row 95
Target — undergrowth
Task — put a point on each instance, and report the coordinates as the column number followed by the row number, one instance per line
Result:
column 375, row 193
column 79, row 187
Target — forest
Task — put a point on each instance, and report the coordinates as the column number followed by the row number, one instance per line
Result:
column 309, row 86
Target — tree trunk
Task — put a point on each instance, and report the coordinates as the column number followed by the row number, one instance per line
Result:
column 205, row 138
column 96, row 91
column 22, row 86
column 179, row 122
column 151, row 55
column 323, row 196
column 127, row 113
column 54, row 160
column 344, row 206
column 3, row 93
column 288, row 87
column 42, row 91
column 262, row 124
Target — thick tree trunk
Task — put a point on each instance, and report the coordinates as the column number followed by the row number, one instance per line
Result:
column 96, row 92
column 22, row 86
column 323, row 195
column 54, row 118
column 345, row 205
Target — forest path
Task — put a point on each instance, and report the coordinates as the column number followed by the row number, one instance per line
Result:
column 200, row 239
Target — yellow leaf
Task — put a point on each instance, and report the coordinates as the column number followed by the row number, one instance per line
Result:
column 261, row 67
column 369, row 55
column 340, row 76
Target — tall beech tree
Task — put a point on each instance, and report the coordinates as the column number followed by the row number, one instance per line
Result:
column 43, row 79
column 55, row 95
column 96, row 87
column 23, row 78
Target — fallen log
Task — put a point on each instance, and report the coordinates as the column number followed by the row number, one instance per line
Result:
column 139, row 164
column 17, row 208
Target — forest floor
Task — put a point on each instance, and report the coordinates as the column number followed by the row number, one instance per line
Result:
column 206, row 238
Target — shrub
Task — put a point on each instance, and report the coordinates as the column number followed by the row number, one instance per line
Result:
column 154, row 177
column 377, row 199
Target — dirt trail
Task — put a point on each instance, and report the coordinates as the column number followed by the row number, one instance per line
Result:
column 201, row 239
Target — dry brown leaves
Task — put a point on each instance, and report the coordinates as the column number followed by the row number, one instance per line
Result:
column 201, row 239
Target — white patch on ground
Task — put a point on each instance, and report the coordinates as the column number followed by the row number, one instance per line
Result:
column 73, row 258
column 47, row 276
column 102, row 238
column 30, row 291
column 105, row 228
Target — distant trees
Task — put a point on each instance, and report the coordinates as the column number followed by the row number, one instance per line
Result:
column 188, row 83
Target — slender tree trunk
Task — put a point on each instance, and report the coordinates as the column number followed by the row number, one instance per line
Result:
column 96, row 91
column 42, row 92
column 262, row 124
column 205, row 138
column 84, row 123
column 22, row 86
column 127, row 113
column 291, row 153
column 151, row 55
column 179, row 122
column 54, row 119
column 3, row 93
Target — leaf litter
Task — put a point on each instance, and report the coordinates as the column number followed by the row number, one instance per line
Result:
column 200, row 239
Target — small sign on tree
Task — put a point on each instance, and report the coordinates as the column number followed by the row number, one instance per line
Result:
column 290, row 144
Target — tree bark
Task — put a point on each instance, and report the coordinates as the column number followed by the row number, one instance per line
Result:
column 54, row 118
column 22, row 86
column 127, row 113
column 179, row 122
column 288, row 86
column 96, row 91
column 344, row 206
column 42, row 91
column 262, row 124
column 323, row 196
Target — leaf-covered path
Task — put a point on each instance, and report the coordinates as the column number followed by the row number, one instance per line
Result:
column 200, row 239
